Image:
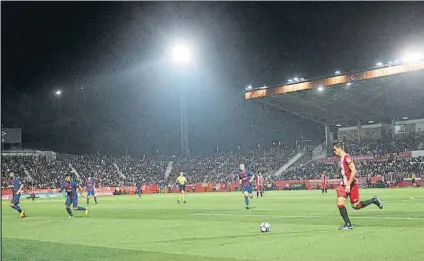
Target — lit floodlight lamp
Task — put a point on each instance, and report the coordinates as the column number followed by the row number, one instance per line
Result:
column 296, row 79
column 249, row 88
column 320, row 88
column 338, row 125
column 337, row 72
column 58, row 92
column 379, row 64
column 289, row 80
column 301, row 79
column 181, row 55
column 370, row 122
column 405, row 118
column 348, row 84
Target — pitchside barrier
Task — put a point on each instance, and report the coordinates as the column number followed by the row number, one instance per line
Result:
column 309, row 184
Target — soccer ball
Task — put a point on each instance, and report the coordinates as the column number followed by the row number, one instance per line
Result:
column 265, row 227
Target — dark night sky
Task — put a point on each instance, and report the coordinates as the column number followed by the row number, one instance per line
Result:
column 130, row 97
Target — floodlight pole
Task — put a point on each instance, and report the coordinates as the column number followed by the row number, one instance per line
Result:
column 181, row 61
column 187, row 151
column 182, row 124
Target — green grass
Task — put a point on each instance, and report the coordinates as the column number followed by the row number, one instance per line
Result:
column 215, row 226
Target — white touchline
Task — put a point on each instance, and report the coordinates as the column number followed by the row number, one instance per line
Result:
column 278, row 216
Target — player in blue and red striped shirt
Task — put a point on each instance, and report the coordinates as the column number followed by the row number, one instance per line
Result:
column 90, row 185
column 246, row 177
column 17, row 187
column 70, row 187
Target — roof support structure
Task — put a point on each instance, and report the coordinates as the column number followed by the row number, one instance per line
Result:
column 267, row 102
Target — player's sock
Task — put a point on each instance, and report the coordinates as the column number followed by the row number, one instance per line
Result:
column 262, row 193
column 325, row 190
column 322, row 190
column 246, row 199
column 17, row 208
column 80, row 208
column 69, row 210
column 257, row 194
column 88, row 200
column 95, row 200
column 183, row 197
column 365, row 203
column 343, row 213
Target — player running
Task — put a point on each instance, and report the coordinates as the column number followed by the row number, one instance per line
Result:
column 246, row 177
column 324, row 179
column 181, row 181
column 17, row 187
column 90, row 186
column 138, row 190
column 70, row 187
column 259, row 185
column 349, row 186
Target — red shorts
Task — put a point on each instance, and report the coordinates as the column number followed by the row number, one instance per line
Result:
column 324, row 184
column 353, row 194
column 259, row 188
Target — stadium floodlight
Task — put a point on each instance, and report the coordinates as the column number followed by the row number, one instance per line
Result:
column 412, row 57
column 337, row 72
column 320, row 88
column 296, row 79
column 301, row 79
column 405, row 118
column 370, row 122
column 348, row 84
column 249, row 88
column 379, row 64
column 181, row 55
column 58, row 92
column 338, row 125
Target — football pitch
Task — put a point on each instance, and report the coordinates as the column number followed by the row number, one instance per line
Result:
column 215, row 226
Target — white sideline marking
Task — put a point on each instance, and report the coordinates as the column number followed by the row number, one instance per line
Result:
column 258, row 215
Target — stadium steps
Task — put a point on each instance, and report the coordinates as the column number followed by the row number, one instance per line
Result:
column 119, row 171
column 319, row 151
column 290, row 162
column 74, row 171
column 168, row 169
column 27, row 173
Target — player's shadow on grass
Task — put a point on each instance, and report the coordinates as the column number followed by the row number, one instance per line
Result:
column 242, row 236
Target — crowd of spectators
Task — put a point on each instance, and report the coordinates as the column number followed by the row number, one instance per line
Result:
column 381, row 147
column 107, row 171
column 219, row 168
column 224, row 167
column 399, row 168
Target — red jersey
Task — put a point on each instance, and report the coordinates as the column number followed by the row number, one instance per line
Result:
column 344, row 169
column 259, row 181
column 324, row 178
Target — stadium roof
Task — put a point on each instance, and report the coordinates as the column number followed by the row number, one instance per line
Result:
column 379, row 95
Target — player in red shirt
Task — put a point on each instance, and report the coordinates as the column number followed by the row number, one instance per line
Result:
column 324, row 178
column 349, row 186
column 259, row 185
